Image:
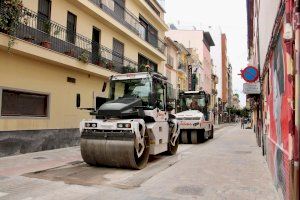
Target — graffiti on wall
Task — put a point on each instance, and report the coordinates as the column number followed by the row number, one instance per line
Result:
column 277, row 116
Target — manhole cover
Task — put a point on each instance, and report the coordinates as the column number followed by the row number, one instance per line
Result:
column 243, row 152
column 189, row 190
column 39, row 158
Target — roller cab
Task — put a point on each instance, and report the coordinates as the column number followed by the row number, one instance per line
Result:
column 132, row 125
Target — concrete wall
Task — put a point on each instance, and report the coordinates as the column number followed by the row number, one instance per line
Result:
column 25, row 74
column 267, row 14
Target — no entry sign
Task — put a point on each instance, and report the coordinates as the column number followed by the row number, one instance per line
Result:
column 250, row 74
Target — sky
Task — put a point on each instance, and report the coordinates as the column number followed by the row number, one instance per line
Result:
column 229, row 16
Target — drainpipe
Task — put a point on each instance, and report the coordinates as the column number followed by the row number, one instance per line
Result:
column 260, row 102
column 297, row 99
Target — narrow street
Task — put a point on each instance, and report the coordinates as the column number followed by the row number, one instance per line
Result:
column 230, row 166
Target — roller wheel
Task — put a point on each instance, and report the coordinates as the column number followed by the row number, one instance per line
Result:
column 184, row 137
column 114, row 153
column 142, row 161
column 202, row 135
column 194, row 137
column 206, row 135
column 173, row 149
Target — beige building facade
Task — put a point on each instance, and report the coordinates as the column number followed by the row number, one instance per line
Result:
column 172, row 53
column 66, row 49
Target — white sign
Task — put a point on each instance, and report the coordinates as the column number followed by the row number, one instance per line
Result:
column 251, row 88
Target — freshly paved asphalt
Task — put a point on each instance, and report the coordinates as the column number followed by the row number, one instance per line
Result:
column 230, row 166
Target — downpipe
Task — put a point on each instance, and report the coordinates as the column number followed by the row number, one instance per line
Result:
column 297, row 99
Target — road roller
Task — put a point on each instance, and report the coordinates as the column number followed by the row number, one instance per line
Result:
column 195, row 122
column 132, row 125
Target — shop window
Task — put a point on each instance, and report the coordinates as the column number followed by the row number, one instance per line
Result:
column 16, row 103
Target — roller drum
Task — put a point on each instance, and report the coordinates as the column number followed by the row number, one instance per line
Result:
column 112, row 150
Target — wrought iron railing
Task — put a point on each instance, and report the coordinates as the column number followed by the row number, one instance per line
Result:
column 54, row 36
column 129, row 20
column 170, row 60
column 182, row 67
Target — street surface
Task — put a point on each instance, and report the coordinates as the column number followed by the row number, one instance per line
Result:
column 228, row 167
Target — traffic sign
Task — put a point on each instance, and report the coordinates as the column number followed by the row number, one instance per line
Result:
column 250, row 74
column 251, row 88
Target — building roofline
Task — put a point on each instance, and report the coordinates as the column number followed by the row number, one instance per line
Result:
column 208, row 38
column 158, row 4
column 168, row 39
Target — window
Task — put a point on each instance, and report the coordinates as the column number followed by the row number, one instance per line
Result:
column 143, row 29
column 16, row 103
column 96, row 45
column 119, row 8
column 118, row 52
column 148, row 32
column 44, row 11
column 71, row 27
column 159, row 93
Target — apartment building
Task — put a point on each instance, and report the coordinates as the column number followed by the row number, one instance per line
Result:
column 202, row 42
column 67, row 50
column 224, row 69
column 197, row 81
column 183, row 67
column 230, row 92
column 172, row 63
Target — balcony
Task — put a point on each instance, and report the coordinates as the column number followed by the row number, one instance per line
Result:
column 125, row 17
column 182, row 68
column 170, row 61
column 51, row 35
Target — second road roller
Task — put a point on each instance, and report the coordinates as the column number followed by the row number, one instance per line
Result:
column 134, row 123
column 195, row 121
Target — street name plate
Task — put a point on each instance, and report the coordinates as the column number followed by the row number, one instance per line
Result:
column 251, row 88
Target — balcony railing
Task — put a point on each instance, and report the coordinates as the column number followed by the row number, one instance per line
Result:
column 170, row 60
column 125, row 17
column 182, row 67
column 56, row 37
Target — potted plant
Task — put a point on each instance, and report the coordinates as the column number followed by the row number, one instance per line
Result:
column 57, row 31
column 29, row 38
column 129, row 69
column 84, row 56
column 47, row 29
column 70, row 52
column 101, row 62
column 109, row 65
column 10, row 21
column 144, row 68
